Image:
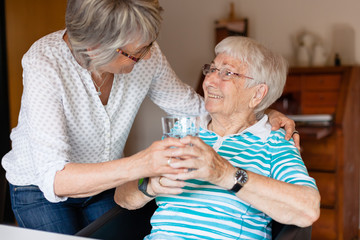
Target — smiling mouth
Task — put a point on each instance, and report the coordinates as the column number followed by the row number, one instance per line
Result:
column 214, row 96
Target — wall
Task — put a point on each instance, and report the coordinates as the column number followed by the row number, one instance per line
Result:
column 27, row 21
column 187, row 39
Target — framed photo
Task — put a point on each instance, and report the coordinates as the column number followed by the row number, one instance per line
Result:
column 226, row 28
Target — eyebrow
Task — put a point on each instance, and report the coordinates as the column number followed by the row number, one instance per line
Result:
column 225, row 65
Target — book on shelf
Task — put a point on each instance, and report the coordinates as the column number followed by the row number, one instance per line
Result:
column 313, row 125
column 312, row 119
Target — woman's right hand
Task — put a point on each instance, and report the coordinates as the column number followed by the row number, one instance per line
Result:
column 154, row 160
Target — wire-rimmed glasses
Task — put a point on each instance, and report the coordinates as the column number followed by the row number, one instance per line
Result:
column 223, row 73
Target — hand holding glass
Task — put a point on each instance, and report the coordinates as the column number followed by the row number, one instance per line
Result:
column 179, row 127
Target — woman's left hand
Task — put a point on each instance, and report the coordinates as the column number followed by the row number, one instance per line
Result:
column 201, row 161
column 278, row 120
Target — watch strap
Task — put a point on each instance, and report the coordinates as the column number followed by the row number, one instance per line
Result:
column 239, row 182
column 142, row 186
column 236, row 188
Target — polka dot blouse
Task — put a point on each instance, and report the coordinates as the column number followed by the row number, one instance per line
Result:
column 62, row 119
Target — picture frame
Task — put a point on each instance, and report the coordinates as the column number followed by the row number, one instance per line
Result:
column 226, row 28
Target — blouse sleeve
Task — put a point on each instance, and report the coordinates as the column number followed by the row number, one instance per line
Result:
column 170, row 93
column 42, row 110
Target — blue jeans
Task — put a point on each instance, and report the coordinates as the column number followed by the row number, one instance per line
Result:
column 32, row 210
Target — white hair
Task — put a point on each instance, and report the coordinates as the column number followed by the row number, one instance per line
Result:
column 263, row 65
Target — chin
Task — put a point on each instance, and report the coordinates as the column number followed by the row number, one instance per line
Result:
column 210, row 107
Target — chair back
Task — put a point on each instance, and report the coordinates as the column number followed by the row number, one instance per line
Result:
column 121, row 224
column 287, row 232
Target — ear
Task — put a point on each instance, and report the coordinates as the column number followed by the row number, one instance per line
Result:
column 260, row 92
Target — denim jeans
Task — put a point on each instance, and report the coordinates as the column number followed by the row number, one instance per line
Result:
column 32, row 210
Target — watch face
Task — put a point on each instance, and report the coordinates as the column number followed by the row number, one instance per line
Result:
column 241, row 176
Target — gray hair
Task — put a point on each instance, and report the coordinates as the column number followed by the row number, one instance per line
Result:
column 99, row 27
column 263, row 65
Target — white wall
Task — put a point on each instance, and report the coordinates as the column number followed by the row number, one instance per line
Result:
column 187, row 39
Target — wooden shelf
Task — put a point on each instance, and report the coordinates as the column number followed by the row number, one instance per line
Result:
column 331, row 153
column 313, row 132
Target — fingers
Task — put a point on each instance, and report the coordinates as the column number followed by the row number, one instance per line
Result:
column 190, row 163
column 164, row 185
column 191, row 141
column 170, row 183
column 275, row 125
column 170, row 142
column 289, row 128
column 296, row 138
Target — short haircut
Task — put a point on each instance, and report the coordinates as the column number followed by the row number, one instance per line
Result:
column 263, row 65
column 98, row 27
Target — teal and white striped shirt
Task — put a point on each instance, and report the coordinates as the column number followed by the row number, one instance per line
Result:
column 206, row 211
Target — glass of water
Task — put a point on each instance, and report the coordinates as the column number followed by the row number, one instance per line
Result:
column 180, row 126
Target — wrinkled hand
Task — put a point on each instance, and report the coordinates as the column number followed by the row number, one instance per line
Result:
column 163, row 185
column 207, row 164
column 278, row 120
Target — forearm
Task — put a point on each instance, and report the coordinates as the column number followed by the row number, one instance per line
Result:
column 128, row 196
column 284, row 202
column 88, row 179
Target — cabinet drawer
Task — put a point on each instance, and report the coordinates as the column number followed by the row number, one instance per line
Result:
column 321, row 82
column 319, row 102
column 293, row 84
column 323, row 162
column 325, row 226
column 319, row 154
column 318, row 110
column 319, row 99
column 326, row 185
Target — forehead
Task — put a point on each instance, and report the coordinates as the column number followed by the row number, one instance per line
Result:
column 225, row 60
column 134, row 47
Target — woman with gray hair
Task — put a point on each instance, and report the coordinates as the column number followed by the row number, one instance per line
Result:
column 239, row 175
column 82, row 89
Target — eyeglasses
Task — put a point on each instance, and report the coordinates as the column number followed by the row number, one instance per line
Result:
column 223, row 73
column 141, row 55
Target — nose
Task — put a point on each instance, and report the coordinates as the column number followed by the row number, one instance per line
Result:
column 211, row 79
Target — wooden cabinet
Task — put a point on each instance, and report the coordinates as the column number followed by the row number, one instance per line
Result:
column 331, row 153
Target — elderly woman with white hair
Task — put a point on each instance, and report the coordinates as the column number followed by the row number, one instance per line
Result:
column 238, row 174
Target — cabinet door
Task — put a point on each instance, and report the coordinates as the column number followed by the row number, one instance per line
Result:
column 326, row 183
column 321, row 82
column 319, row 155
column 320, row 93
column 319, row 102
column 325, row 227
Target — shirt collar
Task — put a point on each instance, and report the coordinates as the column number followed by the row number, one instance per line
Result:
column 261, row 129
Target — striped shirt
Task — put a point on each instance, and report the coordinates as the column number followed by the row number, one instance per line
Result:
column 207, row 211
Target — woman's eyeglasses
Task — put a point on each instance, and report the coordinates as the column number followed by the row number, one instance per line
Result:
column 142, row 54
column 223, row 73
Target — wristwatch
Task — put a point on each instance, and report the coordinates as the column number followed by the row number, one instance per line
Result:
column 142, row 186
column 241, row 178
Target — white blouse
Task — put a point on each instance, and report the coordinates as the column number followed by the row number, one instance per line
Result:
column 62, row 119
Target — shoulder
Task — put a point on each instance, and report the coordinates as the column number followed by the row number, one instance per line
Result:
column 278, row 137
column 157, row 57
column 48, row 47
column 277, row 144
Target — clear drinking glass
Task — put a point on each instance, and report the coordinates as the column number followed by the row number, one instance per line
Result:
column 180, row 126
